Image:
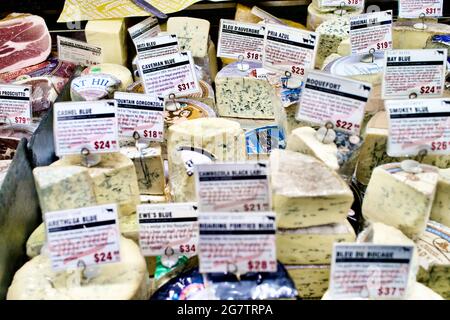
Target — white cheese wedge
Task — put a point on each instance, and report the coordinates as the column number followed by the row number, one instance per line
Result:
column 406, row 36
column 332, row 57
column 64, row 187
column 401, row 199
column 114, row 179
column 345, row 48
column 240, row 94
column 316, row 16
column 125, row 280
column 306, row 192
column 111, row 35
column 202, row 140
column 149, row 169
column 312, row 245
column 192, row 34
column 440, row 212
column 311, row 281
column 331, row 34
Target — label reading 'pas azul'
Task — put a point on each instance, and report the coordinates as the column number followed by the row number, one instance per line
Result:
column 289, row 49
column 140, row 113
column 78, row 52
column 238, row 39
column 341, row 101
column 83, row 237
column 157, row 46
column 91, row 125
column 15, row 104
column 370, row 271
column 418, row 125
column 414, row 72
column 237, row 187
column 371, row 31
column 415, row 8
column 170, row 74
column 342, row 3
column 147, row 28
column 168, row 229
column 232, row 242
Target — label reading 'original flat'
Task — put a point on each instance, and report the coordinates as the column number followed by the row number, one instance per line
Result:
column 232, row 242
column 157, row 46
column 417, row 125
column 78, row 52
column 91, row 125
column 15, row 104
column 237, row 187
column 83, row 237
column 415, row 8
column 341, row 101
column 414, row 72
column 145, row 29
column 369, row 271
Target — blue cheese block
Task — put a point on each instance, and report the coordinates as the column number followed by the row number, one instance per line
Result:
column 311, row 281
column 114, row 179
column 64, row 187
column 401, row 199
column 192, row 34
column 331, row 34
column 440, row 212
column 240, row 94
column 317, row 15
column 306, row 192
column 312, row 245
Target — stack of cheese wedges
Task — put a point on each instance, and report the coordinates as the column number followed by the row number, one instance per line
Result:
column 311, row 203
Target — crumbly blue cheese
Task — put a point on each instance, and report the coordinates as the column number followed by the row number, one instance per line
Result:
column 311, row 281
column 192, row 34
column 440, row 212
column 316, row 15
column 331, row 34
column 306, row 192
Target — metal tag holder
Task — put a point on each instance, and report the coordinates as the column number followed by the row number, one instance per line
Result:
column 421, row 25
column 326, row 134
column 370, row 57
column 89, row 159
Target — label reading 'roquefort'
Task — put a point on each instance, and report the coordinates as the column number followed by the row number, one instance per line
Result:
column 78, row 52
column 15, row 104
column 416, row 8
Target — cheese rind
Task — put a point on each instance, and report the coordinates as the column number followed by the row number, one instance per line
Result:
column 440, row 212
column 306, row 192
column 311, row 281
column 192, row 34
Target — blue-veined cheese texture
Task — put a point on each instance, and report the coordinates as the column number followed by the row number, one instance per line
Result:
column 192, row 34
column 149, row 169
column 311, row 245
column 114, row 180
column 311, row 281
column 406, row 36
column 125, row 280
column 240, row 94
column 197, row 141
column 331, row 34
column 318, row 15
column 64, row 187
column 401, row 199
column 440, row 212
column 306, row 192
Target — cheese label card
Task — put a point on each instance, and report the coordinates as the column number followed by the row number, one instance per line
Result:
column 420, row 73
column 289, row 49
column 236, row 243
column 145, row 29
column 370, row 271
column 415, row 8
column 15, row 104
column 169, row 74
column 327, row 98
column 169, row 229
column 157, row 46
column 78, row 52
column 85, row 125
column 418, row 125
column 140, row 113
column 433, row 245
column 236, row 187
column 344, row 3
column 83, row 237
column 371, row 31
column 239, row 39
column 264, row 139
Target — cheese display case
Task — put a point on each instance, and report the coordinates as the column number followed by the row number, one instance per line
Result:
column 224, row 150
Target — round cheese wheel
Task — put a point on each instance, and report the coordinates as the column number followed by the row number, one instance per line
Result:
column 116, row 70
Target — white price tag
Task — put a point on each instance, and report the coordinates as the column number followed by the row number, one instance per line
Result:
column 140, row 113
column 174, row 73
column 92, row 125
column 370, row 271
column 89, row 236
column 414, row 72
column 15, row 104
column 231, row 242
column 79, row 52
column 415, row 8
column 342, row 3
column 416, row 125
column 327, row 98
column 168, row 229
column 371, row 31
column 240, row 39
column 157, row 46
column 147, row 28
column 237, row 187
column 289, row 49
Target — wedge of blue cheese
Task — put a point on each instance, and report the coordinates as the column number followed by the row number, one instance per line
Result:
column 331, row 34
column 192, row 34
column 306, row 192
column 240, row 94
column 311, row 245
column 440, row 212
column 311, row 281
